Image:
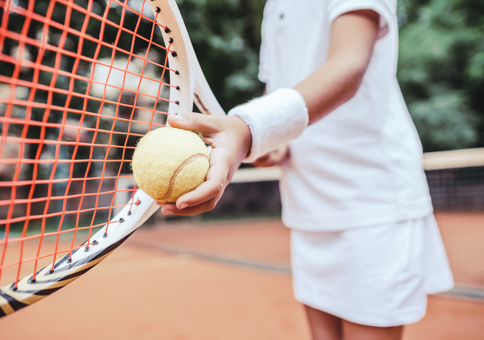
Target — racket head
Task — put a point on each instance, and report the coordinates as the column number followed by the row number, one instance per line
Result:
column 80, row 85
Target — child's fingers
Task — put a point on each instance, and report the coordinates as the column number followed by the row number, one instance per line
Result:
column 213, row 187
column 273, row 158
column 262, row 161
column 203, row 198
column 228, row 139
column 195, row 122
column 282, row 154
column 169, row 209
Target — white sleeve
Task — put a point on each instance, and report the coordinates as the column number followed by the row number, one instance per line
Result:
column 263, row 71
column 263, row 55
column 385, row 8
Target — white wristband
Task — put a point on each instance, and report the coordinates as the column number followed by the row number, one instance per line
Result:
column 273, row 120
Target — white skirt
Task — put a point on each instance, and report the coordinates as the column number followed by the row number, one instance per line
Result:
column 376, row 276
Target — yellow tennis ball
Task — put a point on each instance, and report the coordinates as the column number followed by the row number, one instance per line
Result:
column 169, row 162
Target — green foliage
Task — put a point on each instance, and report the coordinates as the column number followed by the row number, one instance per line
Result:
column 226, row 38
column 444, row 122
column 441, row 70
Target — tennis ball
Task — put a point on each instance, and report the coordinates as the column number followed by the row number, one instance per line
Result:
column 169, row 162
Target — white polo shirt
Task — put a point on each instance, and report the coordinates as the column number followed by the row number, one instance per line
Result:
column 362, row 164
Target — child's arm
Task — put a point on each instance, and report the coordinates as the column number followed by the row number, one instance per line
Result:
column 338, row 79
column 353, row 36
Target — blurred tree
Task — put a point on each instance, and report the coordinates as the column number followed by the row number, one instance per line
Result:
column 441, row 70
column 226, row 38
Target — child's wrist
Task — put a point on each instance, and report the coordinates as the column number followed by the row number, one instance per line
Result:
column 273, row 120
column 245, row 134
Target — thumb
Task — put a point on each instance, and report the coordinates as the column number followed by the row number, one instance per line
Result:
column 195, row 122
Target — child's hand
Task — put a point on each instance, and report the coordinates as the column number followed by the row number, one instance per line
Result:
column 273, row 158
column 230, row 139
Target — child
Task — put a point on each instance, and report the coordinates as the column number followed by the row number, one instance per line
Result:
column 366, row 250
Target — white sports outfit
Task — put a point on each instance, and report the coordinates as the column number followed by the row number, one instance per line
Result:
column 377, row 276
column 354, row 191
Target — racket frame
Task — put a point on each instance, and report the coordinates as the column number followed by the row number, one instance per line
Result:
column 188, row 86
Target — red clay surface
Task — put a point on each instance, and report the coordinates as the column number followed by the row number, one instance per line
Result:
column 463, row 235
column 189, row 281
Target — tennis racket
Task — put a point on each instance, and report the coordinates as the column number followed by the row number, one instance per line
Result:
column 80, row 83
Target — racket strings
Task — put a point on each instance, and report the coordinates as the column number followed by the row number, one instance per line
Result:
column 74, row 98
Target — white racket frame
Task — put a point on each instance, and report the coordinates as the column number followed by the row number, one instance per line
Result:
column 189, row 86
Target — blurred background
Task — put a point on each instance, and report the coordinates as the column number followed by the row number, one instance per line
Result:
column 441, row 64
column 226, row 273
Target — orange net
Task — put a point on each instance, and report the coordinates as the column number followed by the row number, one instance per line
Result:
column 80, row 83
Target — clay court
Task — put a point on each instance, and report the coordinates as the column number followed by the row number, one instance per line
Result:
column 222, row 280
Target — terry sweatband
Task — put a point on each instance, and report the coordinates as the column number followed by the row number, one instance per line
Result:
column 273, row 120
